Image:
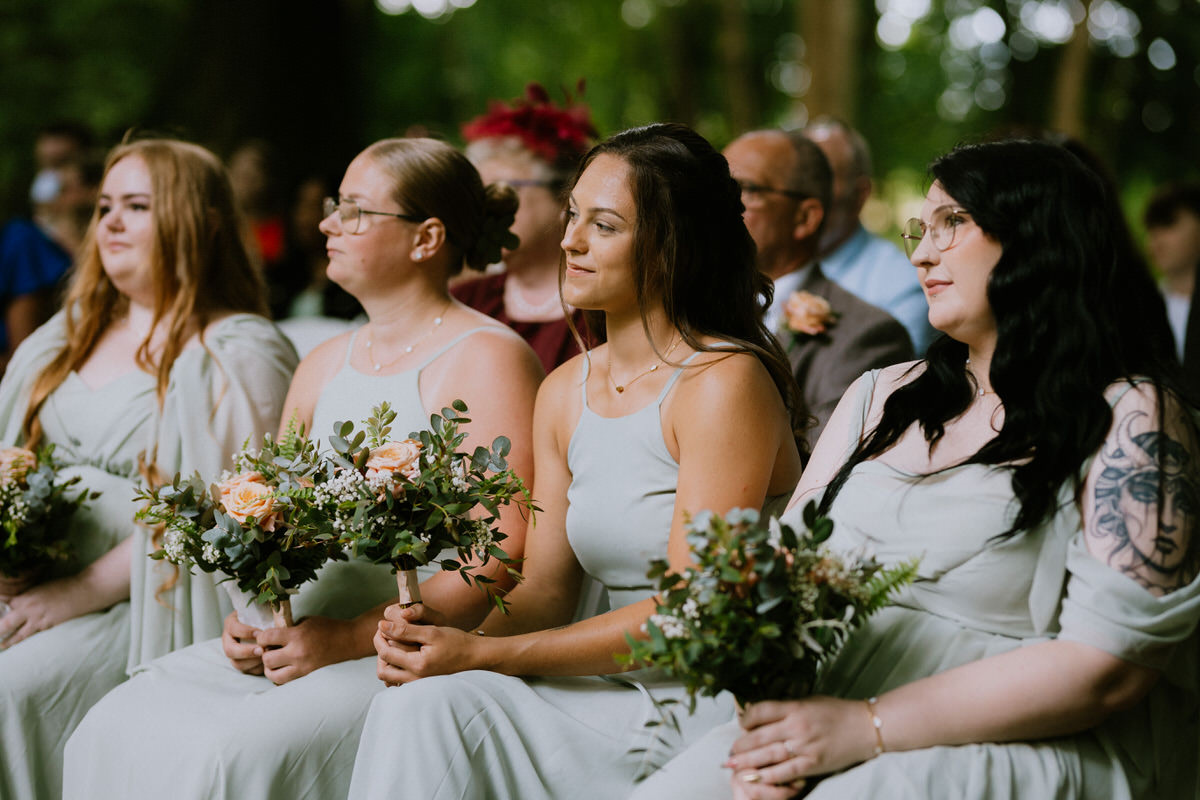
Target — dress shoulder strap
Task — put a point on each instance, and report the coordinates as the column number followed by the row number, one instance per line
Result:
column 450, row 344
column 350, row 346
column 862, row 407
column 1125, row 387
column 671, row 381
column 586, row 370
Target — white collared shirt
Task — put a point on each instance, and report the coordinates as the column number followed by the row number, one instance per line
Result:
column 784, row 286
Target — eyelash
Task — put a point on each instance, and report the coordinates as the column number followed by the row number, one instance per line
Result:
column 105, row 209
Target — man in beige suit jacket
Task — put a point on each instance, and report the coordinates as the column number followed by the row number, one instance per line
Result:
column 831, row 336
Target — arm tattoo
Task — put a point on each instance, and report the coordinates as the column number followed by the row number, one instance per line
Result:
column 1146, row 501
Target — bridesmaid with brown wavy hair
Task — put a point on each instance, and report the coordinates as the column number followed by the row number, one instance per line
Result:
column 160, row 361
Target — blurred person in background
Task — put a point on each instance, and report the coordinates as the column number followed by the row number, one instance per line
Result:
column 252, row 174
column 830, row 335
column 1172, row 219
column 37, row 251
column 309, row 307
column 870, row 266
column 534, row 146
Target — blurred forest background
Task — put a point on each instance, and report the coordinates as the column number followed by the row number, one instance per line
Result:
column 321, row 78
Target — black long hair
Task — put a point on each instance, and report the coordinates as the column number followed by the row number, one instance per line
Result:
column 692, row 251
column 1068, row 308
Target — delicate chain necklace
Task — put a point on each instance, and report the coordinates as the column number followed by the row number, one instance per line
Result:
column 518, row 306
column 621, row 387
column 980, row 390
column 437, row 322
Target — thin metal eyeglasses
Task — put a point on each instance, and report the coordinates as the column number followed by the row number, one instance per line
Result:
column 752, row 193
column 349, row 213
column 941, row 228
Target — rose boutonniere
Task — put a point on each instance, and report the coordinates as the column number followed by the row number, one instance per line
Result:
column 808, row 315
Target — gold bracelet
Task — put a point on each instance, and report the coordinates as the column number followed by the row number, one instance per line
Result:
column 876, row 723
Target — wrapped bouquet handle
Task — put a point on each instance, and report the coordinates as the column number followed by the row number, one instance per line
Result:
column 408, row 585
column 259, row 615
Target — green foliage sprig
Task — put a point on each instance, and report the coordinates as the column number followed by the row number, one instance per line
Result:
column 36, row 505
column 762, row 609
column 406, row 503
column 262, row 526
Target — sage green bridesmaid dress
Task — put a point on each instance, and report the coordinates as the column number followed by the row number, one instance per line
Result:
column 219, row 394
column 485, row 735
column 190, row 725
column 977, row 596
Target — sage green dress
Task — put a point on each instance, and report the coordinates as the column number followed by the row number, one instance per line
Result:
column 219, row 394
column 977, row 596
column 243, row 737
column 485, row 735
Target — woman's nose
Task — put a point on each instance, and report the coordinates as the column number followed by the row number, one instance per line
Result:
column 113, row 219
column 925, row 253
column 571, row 242
column 329, row 223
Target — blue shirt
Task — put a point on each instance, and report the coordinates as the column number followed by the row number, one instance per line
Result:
column 29, row 261
column 877, row 271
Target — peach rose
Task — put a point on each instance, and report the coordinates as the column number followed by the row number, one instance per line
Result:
column 245, row 496
column 403, row 457
column 807, row 313
column 15, row 463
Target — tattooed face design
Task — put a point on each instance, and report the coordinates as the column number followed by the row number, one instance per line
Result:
column 1147, row 498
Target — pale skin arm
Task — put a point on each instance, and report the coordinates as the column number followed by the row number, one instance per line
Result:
column 715, row 412
column 498, row 388
column 1048, row 689
column 103, row 583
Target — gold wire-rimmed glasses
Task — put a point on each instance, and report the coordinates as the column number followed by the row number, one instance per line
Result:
column 350, row 214
column 941, row 228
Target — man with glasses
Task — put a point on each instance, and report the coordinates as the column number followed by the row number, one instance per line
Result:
column 860, row 262
column 830, row 335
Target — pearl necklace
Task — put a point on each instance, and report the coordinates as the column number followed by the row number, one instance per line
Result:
column 437, row 323
column 621, row 387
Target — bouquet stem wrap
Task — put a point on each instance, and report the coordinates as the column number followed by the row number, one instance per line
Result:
column 409, row 585
column 259, row 615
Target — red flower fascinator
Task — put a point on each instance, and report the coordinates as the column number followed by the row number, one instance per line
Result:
column 557, row 134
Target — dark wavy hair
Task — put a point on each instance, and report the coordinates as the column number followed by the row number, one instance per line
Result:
column 692, row 251
column 1068, row 312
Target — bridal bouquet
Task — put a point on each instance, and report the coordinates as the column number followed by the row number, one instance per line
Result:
column 407, row 502
column 762, row 609
column 36, row 505
column 261, row 526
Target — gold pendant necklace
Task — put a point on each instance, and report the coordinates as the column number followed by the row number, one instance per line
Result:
column 621, row 387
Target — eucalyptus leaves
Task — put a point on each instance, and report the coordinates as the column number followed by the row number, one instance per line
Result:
column 288, row 508
column 762, row 609
column 36, row 505
column 261, row 526
column 406, row 503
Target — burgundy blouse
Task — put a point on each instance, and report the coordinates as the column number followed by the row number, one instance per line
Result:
column 552, row 341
